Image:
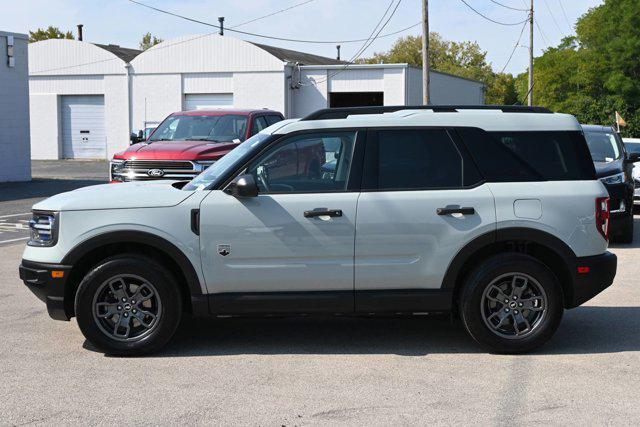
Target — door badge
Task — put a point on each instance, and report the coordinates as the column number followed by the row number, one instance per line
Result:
column 224, row 250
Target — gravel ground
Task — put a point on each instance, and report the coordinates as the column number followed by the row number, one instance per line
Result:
column 346, row 371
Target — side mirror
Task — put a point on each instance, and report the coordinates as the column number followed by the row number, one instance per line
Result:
column 633, row 157
column 141, row 136
column 243, row 186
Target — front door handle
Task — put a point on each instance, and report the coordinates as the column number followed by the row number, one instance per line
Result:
column 323, row 212
column 449, row 211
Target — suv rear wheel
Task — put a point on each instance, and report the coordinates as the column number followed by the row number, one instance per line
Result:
column 128, row 305
column 511, row 303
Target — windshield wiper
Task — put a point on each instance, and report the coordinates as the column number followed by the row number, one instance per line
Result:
column 205, row 139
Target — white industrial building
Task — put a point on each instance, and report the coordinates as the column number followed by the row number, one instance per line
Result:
column 15, row 160
column 86, row 98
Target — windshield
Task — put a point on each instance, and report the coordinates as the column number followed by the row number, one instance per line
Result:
column 225, row 128
column 604, row 146
column 230, row 161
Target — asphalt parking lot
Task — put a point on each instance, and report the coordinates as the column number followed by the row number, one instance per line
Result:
column 49, row 178
column 302, row 371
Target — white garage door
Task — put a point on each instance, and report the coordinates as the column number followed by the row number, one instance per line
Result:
column 207, row 101
column 83, row 131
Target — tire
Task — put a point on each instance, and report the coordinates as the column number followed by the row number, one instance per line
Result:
column 478, row 297
column 149, row 322
column 626, row 232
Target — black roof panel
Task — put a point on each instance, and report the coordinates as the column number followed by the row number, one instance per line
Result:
column 123, row 53
column 301, row 57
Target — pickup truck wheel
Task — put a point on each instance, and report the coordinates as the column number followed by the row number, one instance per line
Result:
column 128, row 305
column 511, row 303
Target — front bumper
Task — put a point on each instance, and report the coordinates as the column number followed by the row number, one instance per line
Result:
column 39, row 278
column 591, row 275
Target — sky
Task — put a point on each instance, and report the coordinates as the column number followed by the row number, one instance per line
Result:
column 122, row 22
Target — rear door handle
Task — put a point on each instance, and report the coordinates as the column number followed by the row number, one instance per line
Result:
column 449, row 211
column 323, row 212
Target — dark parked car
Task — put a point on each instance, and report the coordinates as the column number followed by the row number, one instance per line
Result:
column 633, row 146
column 614, row 168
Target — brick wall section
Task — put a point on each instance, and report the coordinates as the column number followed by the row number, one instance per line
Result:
column 15, row 152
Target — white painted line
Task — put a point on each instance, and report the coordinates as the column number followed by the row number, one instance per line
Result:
column 14, row 240
column 12, row 215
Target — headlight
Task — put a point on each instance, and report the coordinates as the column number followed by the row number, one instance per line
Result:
column 613, row 179
column 44, row 229
column 115, row 167
column 203, row 164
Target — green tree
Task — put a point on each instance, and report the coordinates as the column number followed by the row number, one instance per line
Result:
column 48, row 33
column 149, row 41
column 464, row 59
column 597, row 72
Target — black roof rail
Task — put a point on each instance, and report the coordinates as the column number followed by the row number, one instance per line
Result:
column 343, row 112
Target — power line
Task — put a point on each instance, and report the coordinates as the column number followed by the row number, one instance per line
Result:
column 485, row 16
column 514, row 48
column 365, row 45
column 264, row 35
column 272, row 13
column 564, row 13
column 508, row 7
column 166, row 45
column 553, row 18
column 544, row 37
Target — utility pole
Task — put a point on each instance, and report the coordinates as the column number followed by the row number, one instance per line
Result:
column 425, row 52
column 530, row 97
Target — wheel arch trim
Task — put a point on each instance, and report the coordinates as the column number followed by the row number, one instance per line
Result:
column 540, row 237
column 140, row 237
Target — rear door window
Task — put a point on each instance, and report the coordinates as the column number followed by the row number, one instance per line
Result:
column 259, row 123
column 415, row 159
column 273, row 119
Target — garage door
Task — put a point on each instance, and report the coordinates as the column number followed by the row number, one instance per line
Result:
column 207, row 101
column 83, row 131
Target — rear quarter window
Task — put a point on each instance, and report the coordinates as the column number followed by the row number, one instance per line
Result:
column 530, row 155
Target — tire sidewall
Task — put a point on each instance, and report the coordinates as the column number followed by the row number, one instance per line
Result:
column 155, row 274
column 481, row 277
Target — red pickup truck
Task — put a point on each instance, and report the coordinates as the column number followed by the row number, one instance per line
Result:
column 188, row 142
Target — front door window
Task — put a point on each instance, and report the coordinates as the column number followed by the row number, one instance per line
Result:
column 306, row 164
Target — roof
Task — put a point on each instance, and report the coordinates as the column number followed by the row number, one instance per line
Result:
column 123, row 53
column 288, row 55
column 597, row 128
column 490, row 120
column 223, row 111
column 340, row 64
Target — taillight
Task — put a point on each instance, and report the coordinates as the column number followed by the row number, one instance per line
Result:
column 602, row 216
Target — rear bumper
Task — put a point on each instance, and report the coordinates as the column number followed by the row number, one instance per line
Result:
column 39, row 279
column 586, row 285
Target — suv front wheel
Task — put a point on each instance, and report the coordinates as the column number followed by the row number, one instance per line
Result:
column 128, row 305
column 511, row 303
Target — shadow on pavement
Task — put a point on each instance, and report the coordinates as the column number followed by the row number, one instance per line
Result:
column 584, row 330
column 39, row 188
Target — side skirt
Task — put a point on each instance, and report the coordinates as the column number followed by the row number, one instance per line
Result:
column 331, row 302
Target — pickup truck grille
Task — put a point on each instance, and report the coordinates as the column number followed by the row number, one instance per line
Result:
column 144, row 170
column 157, row 164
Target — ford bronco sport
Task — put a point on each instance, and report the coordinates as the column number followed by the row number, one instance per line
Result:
column 188, row 142
column 491, row 213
